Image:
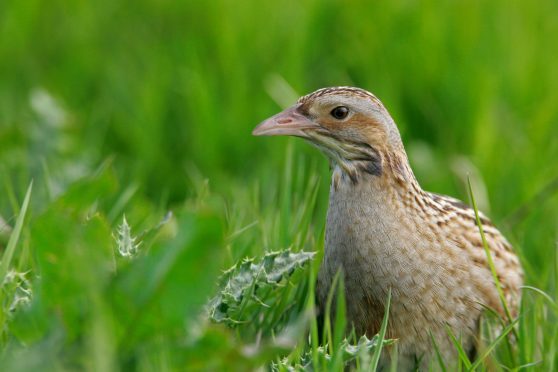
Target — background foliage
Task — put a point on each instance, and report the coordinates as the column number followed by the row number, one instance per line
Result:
column 145, row 107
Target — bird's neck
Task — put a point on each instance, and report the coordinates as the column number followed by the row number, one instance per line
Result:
column 387, row 174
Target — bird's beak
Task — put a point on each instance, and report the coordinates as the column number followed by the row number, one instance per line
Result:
column 289, row 122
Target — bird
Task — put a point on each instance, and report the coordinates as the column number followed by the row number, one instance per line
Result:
column 385, row 234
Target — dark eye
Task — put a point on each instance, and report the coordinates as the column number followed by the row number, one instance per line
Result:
column 340, row 112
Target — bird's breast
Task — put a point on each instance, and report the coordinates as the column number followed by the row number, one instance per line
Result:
column 379, row 245
column 362, row 241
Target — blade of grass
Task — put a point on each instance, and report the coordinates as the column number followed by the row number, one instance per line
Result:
column 502, row 323
column 10, row 194
column 528, row 365
column 48, row 179
column 286, row 195
column 462, row 354
column 14, row 237
column 308, row 207
column 526, row 346
column 339, row 325
column 438, row 354
column 556, row 265
column 328, row 336
column 381, row 336
column 552, row 351
column 492, row 267
column 543, row 294
column 393, row 358
column 493, row 344
column 311, row 306
column 489, row 255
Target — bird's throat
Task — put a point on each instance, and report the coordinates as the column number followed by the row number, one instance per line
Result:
column 388, row 171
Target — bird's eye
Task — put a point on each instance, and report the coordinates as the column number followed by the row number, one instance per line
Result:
column 340, row 112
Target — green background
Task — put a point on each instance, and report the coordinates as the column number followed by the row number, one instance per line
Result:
column 165, row 95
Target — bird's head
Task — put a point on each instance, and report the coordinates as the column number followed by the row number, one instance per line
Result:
column 350, row 125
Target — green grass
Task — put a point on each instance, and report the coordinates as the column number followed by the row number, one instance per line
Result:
column 142, row 108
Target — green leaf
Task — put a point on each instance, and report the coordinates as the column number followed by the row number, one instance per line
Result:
column 240, row 284
column 163, row 290
column 459, row 347
column 381, row 335
column 14, row 237
column 493, row 344
column 488, row 254
column 348, row 351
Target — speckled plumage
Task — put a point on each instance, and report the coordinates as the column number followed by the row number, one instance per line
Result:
column 384, row 232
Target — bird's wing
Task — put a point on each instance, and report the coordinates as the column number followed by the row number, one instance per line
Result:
column 508, row 268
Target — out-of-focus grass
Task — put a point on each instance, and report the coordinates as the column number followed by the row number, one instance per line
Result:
column 142, row 107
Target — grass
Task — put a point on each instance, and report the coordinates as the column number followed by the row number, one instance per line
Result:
column 144, row 110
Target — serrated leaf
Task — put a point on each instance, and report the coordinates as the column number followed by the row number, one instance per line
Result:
column 349, row 352
column 239, row 285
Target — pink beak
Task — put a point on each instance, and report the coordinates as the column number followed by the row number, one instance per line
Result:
column 289, row 122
